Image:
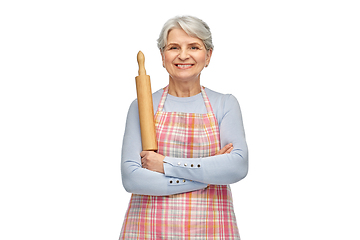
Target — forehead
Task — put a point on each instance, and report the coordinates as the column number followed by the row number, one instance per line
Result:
column 179, row 36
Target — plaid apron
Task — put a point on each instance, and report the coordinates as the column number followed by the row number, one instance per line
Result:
column 197, row 215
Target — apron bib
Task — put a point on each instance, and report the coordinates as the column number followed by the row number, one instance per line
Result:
column 200, row 215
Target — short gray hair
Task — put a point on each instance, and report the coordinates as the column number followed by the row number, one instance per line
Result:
column 193, row 26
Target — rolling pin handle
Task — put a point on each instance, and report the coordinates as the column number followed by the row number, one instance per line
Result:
column 141, row 61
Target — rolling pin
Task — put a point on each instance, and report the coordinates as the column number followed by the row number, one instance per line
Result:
column 146, row 110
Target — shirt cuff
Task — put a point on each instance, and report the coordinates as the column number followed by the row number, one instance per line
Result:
column 187, row 168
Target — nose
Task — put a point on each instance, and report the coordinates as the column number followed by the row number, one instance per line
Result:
column 183, row 55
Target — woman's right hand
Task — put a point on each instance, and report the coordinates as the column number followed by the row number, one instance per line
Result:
column 226, row 149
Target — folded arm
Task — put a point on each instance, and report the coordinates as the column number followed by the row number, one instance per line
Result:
column 220, row 169
column 139, row 180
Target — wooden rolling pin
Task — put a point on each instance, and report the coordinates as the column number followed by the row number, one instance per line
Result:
column 146, row 110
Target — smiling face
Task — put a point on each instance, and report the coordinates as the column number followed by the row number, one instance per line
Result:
column 184, row 57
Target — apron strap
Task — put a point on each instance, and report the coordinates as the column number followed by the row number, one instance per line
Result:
column 163, row 98
column 206, row 100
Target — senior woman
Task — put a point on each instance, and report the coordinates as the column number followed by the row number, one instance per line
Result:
column 182, row 191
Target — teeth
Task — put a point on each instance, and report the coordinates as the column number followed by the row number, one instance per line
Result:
column 184, row 66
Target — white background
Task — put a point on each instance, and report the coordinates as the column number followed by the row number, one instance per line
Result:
column 67, row 78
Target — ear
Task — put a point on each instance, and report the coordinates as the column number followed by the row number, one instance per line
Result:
column 208, row 56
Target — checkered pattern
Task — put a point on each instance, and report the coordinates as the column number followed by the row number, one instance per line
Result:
column 197, row 215
column 187, row 135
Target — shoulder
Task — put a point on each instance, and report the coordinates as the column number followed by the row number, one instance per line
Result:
column 157, row 96
column 156, row 99
column 221, row 100
column 222, row 104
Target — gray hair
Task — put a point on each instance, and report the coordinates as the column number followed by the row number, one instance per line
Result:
column 193, row 26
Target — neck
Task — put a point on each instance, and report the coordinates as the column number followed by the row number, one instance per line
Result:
column 184, row 88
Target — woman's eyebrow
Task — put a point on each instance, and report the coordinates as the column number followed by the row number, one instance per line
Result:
column 189, row 44
column 195, row 43
column 171, row 44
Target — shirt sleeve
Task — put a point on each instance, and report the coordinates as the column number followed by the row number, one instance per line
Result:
column 220, row 169
column 142, row 181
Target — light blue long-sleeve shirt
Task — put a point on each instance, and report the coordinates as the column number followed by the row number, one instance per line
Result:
column 220, row 169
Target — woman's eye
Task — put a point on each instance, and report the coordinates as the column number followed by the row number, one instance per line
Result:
column 194, row 48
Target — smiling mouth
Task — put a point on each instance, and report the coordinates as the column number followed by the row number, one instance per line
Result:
column 184, row 66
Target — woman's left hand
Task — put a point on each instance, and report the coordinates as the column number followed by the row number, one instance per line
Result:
column 152, row 161
column 227, row 149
